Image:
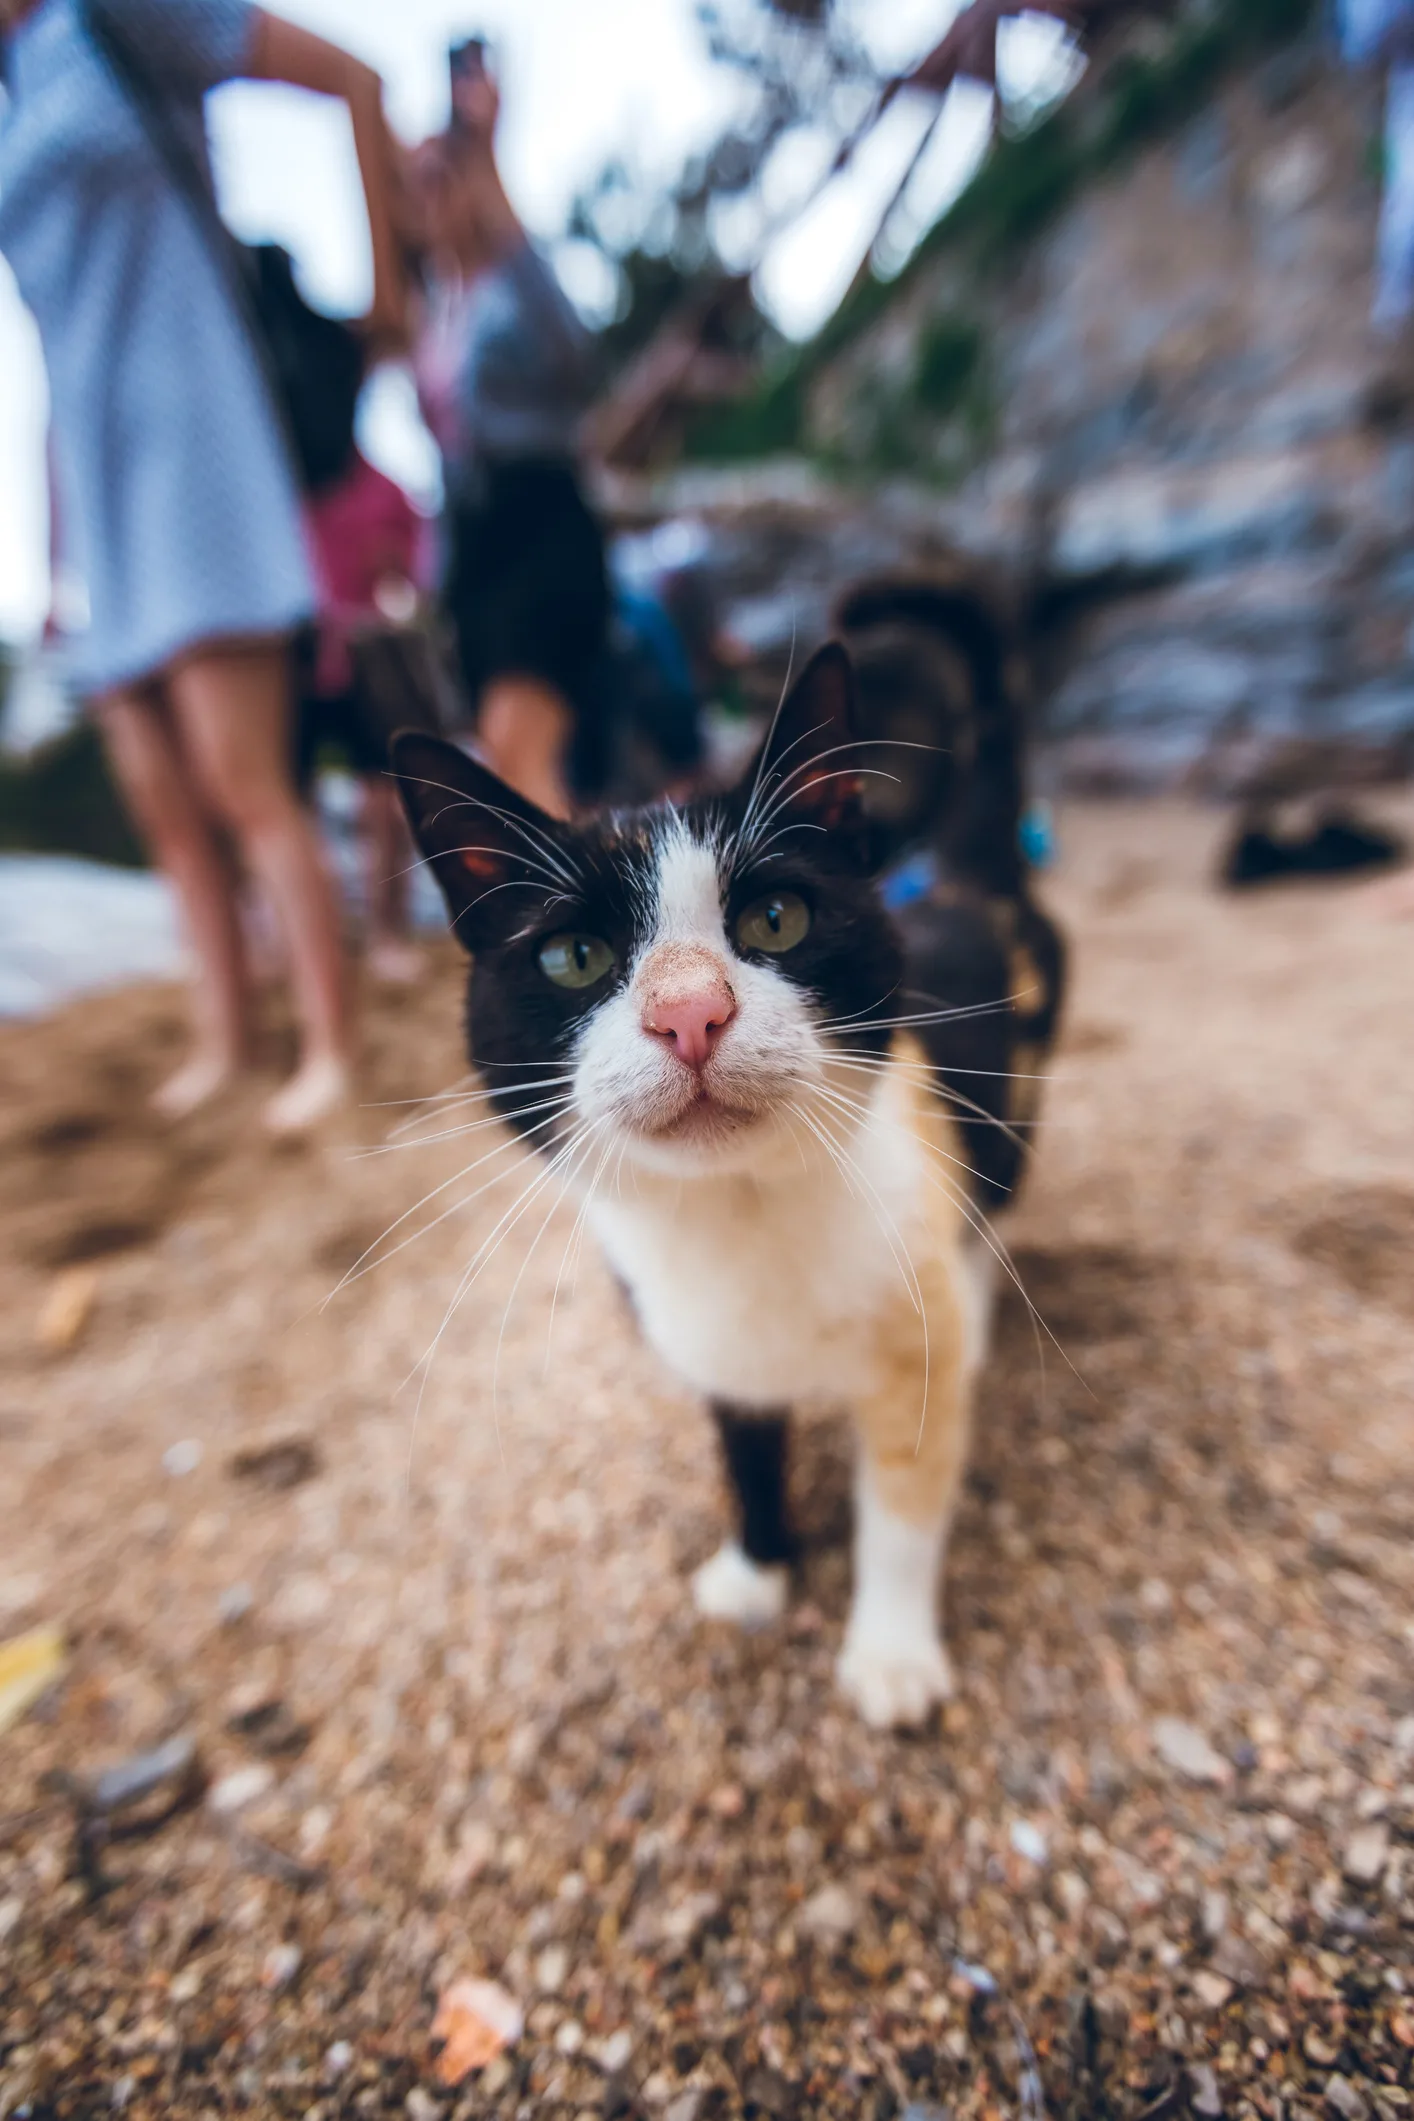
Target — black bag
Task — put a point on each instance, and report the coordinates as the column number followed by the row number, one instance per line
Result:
column 313, row 364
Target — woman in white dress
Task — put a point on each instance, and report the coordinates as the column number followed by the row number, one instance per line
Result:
column 176, row 497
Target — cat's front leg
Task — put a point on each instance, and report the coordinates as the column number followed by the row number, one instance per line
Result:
column 893, row 1664
column 748, row 1577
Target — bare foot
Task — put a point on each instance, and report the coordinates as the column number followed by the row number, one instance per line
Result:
column 393, row 963
column 312, row 1093
column 1393, row 896
column 195, row 1083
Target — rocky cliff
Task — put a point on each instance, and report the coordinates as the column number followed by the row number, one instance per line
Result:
column 1136, row 374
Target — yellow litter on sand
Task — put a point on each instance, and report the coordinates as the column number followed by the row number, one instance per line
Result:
column 29, row 1664
column 65, row 1310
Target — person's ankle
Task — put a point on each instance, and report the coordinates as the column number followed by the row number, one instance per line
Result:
column 203, row 1074
column 319, row 1087
column 393, row 960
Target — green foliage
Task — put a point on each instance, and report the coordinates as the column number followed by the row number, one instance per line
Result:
column 60, row 800
column 768, row 422
column 948, row 355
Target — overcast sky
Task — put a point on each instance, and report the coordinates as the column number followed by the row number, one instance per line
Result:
column 579, row 84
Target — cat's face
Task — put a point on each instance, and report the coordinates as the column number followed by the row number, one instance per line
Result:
column 680, row 976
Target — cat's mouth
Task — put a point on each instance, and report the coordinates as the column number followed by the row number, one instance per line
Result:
column 704, row 1115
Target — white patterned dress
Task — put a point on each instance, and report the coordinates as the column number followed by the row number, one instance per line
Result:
column 176, row 502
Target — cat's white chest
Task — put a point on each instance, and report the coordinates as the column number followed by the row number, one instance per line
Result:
column 762, row 1293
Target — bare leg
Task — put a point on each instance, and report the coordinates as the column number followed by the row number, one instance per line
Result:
column 524, row 726
column 232, row 708
column 168, row 809
column 392, row 959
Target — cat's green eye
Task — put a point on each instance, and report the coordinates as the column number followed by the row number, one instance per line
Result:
column 774, row 924
column 575, row 960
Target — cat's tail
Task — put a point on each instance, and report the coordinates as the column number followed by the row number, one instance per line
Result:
column 932, row 654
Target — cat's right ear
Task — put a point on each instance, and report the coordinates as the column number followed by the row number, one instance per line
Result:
column 490, row 850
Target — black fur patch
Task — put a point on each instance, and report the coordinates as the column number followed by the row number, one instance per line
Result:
column 754, row 1450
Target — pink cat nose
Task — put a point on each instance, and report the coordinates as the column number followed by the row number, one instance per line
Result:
column 691, row 1022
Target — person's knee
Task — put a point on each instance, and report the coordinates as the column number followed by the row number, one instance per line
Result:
column 148, row 776
column 234, row 725
column 252, row 797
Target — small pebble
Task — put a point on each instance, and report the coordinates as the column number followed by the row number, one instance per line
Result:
column 1183, row 1747
column 613, row 2054
column 551, row 1968
column 1073, row 1893
column 279, row 1966
column 314, row 1830
column 300, row 1601
column 569, row 2039
column 1212, row 1990
column 1343, row 2099
column 1203, row 2094
column 231, row 1793
column 234, row 1603
column 524, row 1748
column 1029, row 1841
column 686, row 2107
column 337, row 2058
column 421, row 2106
column 831, row 1914
column 1366, row 1854
column 975, row 1976
column 182, row 1458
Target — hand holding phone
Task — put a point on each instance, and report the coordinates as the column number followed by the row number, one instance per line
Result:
column 475, row 101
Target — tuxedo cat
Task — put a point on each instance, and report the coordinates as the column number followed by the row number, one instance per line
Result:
column 788, row 1111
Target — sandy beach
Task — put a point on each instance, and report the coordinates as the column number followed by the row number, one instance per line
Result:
column 1156, row 1858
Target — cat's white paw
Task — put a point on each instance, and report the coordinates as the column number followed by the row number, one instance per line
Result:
column 733, row 1587
column 895, row 1679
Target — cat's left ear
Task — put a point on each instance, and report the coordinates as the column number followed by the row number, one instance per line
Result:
column 809, row 771
column 490, row 850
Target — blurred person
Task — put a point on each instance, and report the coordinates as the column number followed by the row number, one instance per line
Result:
column 1381, row 33
column 503, row 373
column 175, row 482
column 367, row 671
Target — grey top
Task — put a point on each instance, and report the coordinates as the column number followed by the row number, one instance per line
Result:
column 176, row 501
column 504, row 368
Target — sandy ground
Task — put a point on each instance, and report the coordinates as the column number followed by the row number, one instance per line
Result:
column 1163, row 1841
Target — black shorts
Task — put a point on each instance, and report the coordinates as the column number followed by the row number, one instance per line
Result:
column 395, row 685
column 527, row 584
